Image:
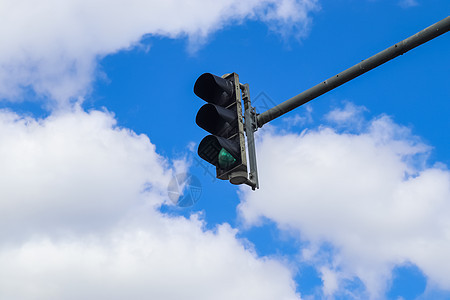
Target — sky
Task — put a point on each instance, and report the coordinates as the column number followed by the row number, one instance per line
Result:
column 98, row 138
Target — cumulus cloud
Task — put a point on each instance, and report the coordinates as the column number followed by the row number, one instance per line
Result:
column 80, row 197
column 369, row 195
column 171, row 259
column 51, row 47
column 49, row 167
column 80, row 219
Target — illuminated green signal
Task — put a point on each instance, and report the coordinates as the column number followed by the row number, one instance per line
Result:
column 226, row 160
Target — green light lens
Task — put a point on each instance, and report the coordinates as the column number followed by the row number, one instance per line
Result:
column 226, row 160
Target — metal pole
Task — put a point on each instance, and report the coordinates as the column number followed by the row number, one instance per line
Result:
column 380, row 58
column 250, row 128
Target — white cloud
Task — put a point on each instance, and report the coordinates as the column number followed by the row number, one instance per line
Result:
column 408, row 3
column 350, row 116
column 300, row 119
column 370, row 195
column 79, row 196
column 171, row 259
column 330, row 281
column 52, row 46
column 49, row 168
column 80, row 219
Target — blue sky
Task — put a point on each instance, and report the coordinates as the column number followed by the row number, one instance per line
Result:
column 98, row 116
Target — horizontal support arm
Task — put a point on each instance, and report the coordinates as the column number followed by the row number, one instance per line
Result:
column 380, row 58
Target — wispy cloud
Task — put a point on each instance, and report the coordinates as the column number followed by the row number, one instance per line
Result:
column 350, row 116
column 408, row 3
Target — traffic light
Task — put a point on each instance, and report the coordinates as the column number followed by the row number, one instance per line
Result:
column 222, row 117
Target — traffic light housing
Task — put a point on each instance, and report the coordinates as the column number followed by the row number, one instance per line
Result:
column 222, row 117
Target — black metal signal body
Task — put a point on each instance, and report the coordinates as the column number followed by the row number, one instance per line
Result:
column 222, row 117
